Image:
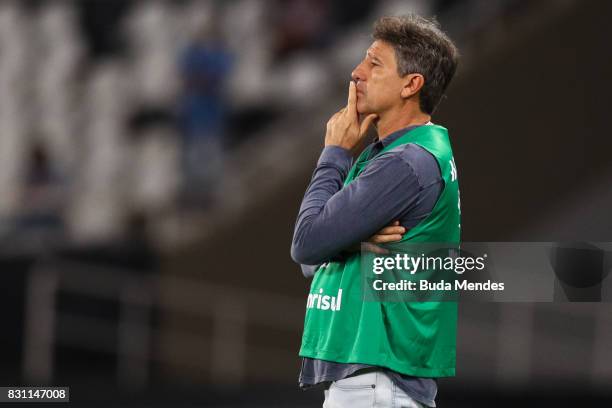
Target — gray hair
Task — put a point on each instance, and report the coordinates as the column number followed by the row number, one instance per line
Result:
column 421, row 47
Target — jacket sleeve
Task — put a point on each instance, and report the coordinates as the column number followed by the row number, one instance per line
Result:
column 333, row 218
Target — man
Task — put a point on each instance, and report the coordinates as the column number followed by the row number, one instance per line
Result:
column 403, row 187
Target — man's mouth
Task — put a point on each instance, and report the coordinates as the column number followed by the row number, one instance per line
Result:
column 358, row 88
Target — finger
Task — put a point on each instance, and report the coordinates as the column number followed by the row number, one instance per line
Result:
column 368, row 247
column 352, row 97
column 382, row 239
column 395, row 222
column 366, row 123
column 391, row 230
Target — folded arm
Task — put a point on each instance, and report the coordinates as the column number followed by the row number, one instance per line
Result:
column 332, row 219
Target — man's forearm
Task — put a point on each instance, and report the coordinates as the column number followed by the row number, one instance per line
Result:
column 332, row 168
column 333, row 218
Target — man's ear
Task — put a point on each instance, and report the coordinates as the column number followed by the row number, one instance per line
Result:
column 412, row 84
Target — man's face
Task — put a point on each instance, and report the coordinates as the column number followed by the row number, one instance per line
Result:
column 379, row 85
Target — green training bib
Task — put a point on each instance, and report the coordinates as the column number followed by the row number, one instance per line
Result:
column 413, row 338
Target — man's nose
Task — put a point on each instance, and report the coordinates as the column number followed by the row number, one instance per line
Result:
column 357, row 74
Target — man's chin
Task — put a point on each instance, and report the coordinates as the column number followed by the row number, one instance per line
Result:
column 364, row 110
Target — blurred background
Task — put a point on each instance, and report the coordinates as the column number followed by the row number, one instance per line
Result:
column 153, row 155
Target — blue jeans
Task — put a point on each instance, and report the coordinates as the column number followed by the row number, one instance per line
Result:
column 373, row 389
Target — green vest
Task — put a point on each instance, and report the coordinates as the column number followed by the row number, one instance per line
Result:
column 413, row 338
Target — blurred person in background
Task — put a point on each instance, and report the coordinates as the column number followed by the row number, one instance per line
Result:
column 388, row 352
column 205, row 66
